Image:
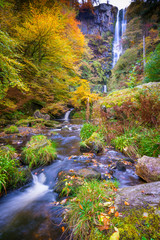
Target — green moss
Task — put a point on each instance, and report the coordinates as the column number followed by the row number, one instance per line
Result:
column 11, row 130
column 92, row 199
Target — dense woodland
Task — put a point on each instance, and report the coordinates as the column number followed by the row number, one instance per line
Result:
column 42, row 51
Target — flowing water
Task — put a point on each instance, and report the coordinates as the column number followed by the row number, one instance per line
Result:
column 28, row 213
column 120, row 29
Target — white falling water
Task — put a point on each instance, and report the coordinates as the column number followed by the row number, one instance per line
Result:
column 104, row 88
column 66, row 117
column 117, row 44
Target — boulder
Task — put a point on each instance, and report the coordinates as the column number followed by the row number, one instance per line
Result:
column 139, row 195
column 72, row 179
column 92, row 144
column 38, row 114
column 148, row 168
column 88, row 173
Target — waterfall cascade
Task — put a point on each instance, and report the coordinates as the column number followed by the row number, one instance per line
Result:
column 66, row 117
column 120, row 29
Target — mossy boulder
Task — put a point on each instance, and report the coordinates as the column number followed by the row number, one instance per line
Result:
column 94, row 144
column 11, row 130
column 68, row 181
column 148, row 168
column 39, row 151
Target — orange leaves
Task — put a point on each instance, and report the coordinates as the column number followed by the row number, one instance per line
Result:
column 116, row 214
column 126, row 203
column 104, row 219
column 80, row 206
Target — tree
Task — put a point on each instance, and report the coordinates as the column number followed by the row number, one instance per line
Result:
column 9, row 66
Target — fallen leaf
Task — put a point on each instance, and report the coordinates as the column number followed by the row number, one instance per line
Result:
column 114, row 236
column 116, row 214
column 107, row 204
column 145, row 214
column 126, row 203
column 80, row 206
column 111, row 210
column 63, row 201
column 101, row 228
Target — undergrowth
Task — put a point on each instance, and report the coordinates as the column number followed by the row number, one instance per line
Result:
column 131, row 120
column 87, row 208
column 92, row 215
column 10, row 173
column 138, row 141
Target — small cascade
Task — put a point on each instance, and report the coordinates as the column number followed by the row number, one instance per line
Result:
column 66, row 117
column 23, row 199
column 120, row 29
column 104, row 88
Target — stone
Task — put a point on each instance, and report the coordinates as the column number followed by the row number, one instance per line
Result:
column 148, row 168
column 139, row 195
column 38, row 114
column 88, row 173
column 121, row 166
column 92, row 144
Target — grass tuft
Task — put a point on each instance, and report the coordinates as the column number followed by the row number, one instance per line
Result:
column 39, row 151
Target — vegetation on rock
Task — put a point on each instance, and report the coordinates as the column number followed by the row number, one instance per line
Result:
column 39, row 151
column 11, row 130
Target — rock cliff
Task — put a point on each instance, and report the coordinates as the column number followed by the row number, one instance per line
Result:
column 98, row 21
column 98, row 27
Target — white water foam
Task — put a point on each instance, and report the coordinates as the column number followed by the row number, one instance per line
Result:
column 17, row 203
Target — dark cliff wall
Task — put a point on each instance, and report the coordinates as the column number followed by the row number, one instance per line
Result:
column 98, row 27
column 99, row 21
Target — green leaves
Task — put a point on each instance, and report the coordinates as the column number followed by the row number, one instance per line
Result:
column 152, row 68
column 9, row 65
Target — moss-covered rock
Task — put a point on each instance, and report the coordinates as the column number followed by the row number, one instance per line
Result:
column 39, row 151
column 94, row 143
column 11, row 130
column 68, row 181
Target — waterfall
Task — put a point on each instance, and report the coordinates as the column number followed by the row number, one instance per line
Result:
column 66, row 117
column 117, row 44
column 104, row 88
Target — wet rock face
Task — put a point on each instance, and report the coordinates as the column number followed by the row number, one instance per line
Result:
column 98, row 22
column 148, row 168
column 139, row 195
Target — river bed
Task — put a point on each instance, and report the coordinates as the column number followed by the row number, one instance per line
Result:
column 29, row 213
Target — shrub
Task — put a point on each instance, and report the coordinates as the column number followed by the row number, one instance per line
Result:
column 39, row 151
column 11, row 130
column 138, row 142
column 152, row 67
column 87, row 130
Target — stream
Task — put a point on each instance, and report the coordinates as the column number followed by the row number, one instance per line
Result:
column 29, row 213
